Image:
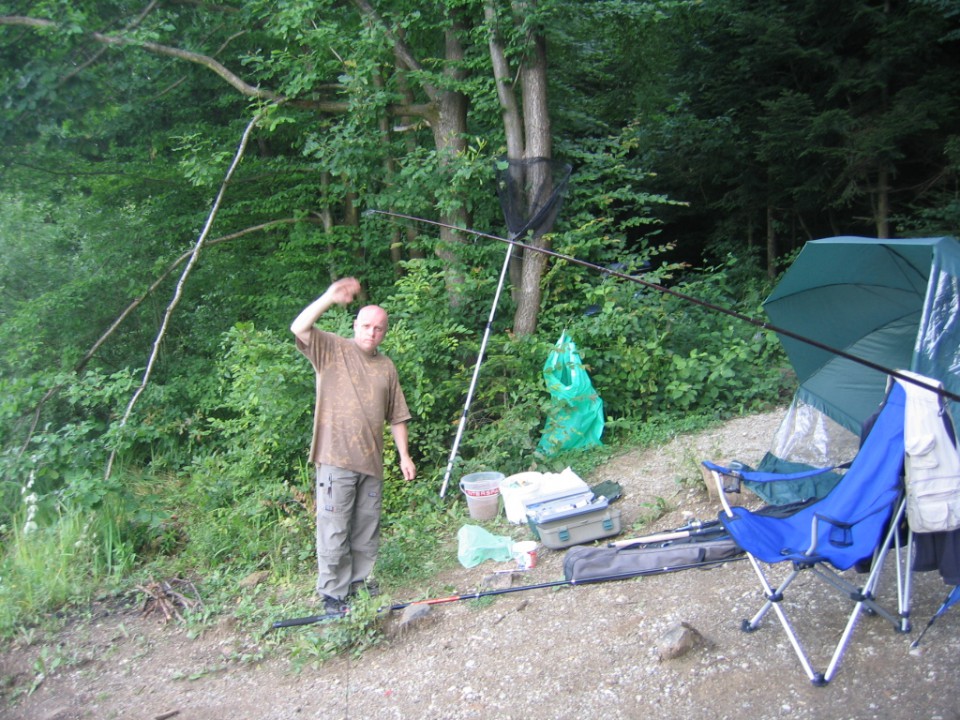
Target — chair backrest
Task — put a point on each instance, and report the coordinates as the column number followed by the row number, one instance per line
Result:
column 852, row 516
column 874, row 480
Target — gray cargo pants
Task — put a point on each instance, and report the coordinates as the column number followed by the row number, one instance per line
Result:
column 348, row 528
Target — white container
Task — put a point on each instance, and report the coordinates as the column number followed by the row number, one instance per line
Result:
column 525, row 553
column 565, row 481
column 517, row 489
column 525, row 489
column 482, row 490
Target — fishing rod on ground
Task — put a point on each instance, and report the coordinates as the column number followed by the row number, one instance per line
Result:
column 943, row 392
column 311, row 619
column 694, row 530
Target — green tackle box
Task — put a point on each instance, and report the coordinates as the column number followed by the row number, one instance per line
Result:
column 561, row 522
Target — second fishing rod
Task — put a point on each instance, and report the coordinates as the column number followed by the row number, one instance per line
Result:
column 682, row 296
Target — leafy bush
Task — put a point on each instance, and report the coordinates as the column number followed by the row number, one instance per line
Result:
column 650, row 353
column 436, row 347
column 246, row 492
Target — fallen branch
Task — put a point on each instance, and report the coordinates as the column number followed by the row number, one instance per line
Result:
column 163, row 598
column 178, row 293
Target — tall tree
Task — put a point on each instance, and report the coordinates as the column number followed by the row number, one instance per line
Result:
column 807, row 119
column 527, row 129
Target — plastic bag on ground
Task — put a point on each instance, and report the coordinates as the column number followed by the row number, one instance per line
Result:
column 477, row 545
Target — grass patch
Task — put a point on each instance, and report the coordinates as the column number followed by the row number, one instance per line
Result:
column 65, row 562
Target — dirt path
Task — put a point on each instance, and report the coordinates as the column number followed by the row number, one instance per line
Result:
column 568, row 652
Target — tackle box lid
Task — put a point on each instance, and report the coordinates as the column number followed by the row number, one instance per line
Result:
column 562, row 506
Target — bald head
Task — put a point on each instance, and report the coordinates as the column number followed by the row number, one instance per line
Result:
column 370, row 327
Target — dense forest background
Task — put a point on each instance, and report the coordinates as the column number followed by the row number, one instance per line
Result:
column 179, row 178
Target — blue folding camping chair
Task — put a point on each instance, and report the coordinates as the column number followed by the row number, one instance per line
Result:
column 856, row 523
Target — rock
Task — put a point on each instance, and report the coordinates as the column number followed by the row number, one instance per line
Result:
column 413, row 614
column 254, row 579
column 499, row 580
column 677, row 641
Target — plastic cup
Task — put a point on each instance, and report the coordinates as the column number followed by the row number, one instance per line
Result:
column 525, row 553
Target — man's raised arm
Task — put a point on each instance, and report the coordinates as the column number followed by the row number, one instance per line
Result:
column 341, row 292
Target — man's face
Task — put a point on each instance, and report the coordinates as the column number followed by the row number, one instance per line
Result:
column 369, row 328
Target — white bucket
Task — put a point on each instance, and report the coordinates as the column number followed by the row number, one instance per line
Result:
column 482, row 490
column 515, row 490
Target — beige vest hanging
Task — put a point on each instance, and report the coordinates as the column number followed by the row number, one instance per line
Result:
column 932, row 461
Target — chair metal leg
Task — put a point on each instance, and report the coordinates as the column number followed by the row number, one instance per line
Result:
column 864, row 596
column 867, row 593
column 773, row 603
column 772, row 596
column 905, row 586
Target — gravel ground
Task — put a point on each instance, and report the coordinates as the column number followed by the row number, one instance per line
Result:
column 561, row 652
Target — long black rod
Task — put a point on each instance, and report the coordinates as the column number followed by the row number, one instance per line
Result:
column 310, row 619
column 688, row 298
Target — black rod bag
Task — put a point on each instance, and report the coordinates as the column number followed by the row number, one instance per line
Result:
column 583, row 563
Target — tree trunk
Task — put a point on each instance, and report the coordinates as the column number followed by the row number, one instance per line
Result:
column 389, row 170
column 882, row 209
column 512, row 120
column 771, row 243
column 449, row 133
column 326, row 218
column 512, row 124
column 407, row 122
column 536, row 116
column 448, row 121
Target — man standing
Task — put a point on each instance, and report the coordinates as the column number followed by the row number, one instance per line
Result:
column 357, row 392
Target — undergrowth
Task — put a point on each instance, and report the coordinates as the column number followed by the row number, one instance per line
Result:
column 83, row 557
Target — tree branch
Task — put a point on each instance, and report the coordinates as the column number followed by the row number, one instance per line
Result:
column 178, row 293
column 166, row 273
column 118, row 40
column 333, row 107
column 132, row 24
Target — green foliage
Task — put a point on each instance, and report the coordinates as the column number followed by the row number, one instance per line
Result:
column 246, row 493
column 803, row 120
column 355, row 632
column 650, row 513
column 266, row 395
column 435, row 347
column 416, row 543
column 47, row 565
column 63, row 460
column 666, row 355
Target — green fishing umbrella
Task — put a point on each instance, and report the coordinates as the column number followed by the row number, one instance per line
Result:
column 893, row 303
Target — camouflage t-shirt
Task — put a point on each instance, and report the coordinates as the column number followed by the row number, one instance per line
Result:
column 356, row 394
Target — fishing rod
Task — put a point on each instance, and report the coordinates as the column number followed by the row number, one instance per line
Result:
column 682, row 296
column 310, row 619
column 693, row 530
